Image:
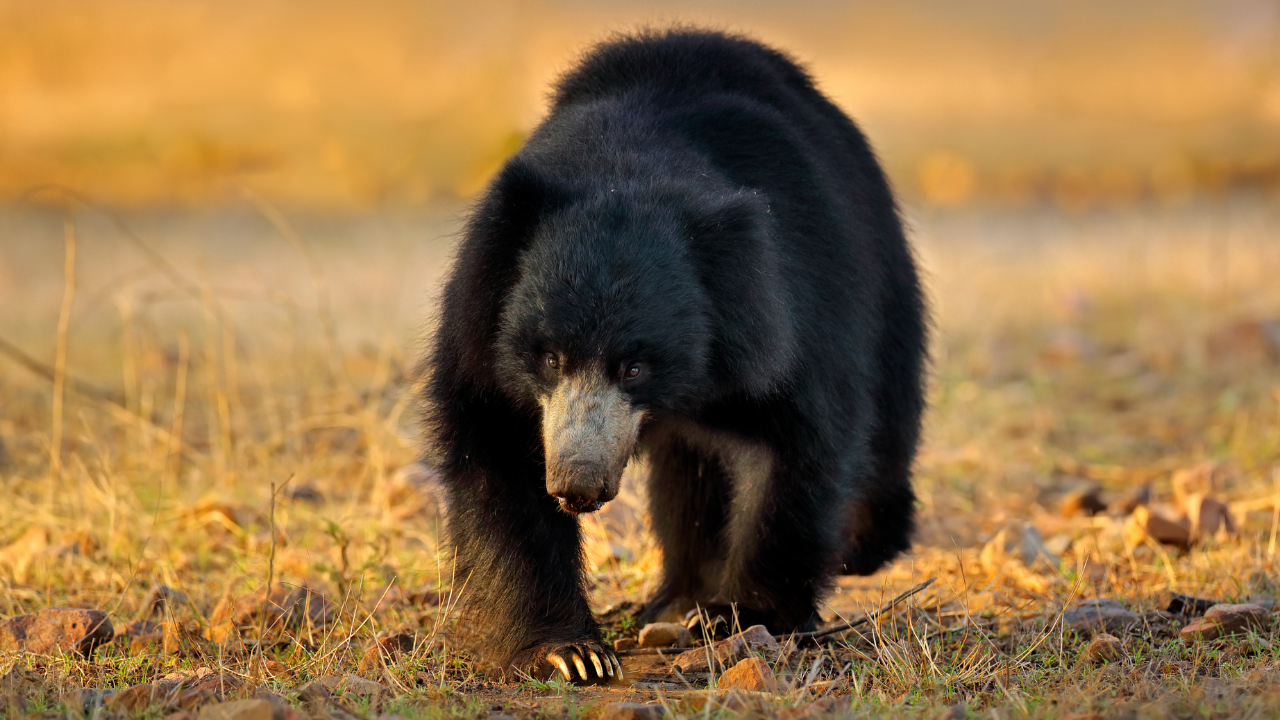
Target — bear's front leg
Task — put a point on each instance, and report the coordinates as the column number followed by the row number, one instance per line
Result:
column 519, row 572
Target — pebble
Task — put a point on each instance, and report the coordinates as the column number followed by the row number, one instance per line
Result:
column 752, row 673
column 160, row 600
column 1086, row 500
column 625, row 644
column 1226, row 619
column 132, row 699
column 662, row 635
column 1146, row 523
column 386, row 650
column 1103, row 648
column 55, row 630
column 727, row 651
column 1019, row 542
column 1099, row 615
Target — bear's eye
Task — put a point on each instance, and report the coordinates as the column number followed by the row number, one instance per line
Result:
column 632, row 371
column 553, row 362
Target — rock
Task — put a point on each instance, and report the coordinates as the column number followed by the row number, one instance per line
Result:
column 1099, row 615
column 55, row 630
column 625, row 644
column 353, row 684
column 1086, row 500
column 385, row 650
column 133, row 699
column 1226, row 619
column 632, row 711
column 252, row 709
column 291, row 608
column 662, row 635
column 726, row 652
column 1136, row 498
column 86, row 700
column 1019, row 542
column 1146, row 523
column 1240, row 615
column 1180, row 604
column 1209, row 517
column 160, row 600
column 1103, row 648
column 180, row 715
column 307, row 493
column 750, row 674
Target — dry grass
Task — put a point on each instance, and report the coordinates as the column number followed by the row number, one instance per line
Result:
column 255, row 409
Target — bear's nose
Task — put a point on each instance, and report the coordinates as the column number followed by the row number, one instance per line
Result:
column 575, row 502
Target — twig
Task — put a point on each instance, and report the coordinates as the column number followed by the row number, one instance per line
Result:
column 841, row 627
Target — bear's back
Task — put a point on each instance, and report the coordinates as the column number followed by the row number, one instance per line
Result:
column 685, row 63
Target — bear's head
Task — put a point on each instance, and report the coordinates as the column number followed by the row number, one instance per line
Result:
column 606, row 324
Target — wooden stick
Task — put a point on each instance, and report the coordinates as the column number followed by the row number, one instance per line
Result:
column 840, row 627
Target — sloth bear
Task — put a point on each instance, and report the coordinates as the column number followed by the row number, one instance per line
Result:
column 695, row 259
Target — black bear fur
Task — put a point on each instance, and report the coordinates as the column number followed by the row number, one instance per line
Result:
column 691, row 199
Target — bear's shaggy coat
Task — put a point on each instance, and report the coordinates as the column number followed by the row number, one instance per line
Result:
column 699, row 237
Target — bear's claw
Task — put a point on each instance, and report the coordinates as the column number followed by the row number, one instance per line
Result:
column 570, row 659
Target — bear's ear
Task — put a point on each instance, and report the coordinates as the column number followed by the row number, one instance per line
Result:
column 487, row 267
column 734, row 245
column 518, row 197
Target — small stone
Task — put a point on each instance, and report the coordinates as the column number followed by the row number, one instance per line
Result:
column 1209, row 517
column 55, row 630
column 632, row 711
column 1226, row 619
column 1234, row 617
column 663, row 635
column 726, row 652
column 749, row 674
column 307, row 493
column 132, row 699
column 162, row 599
column 386, row 650
column 180, row 715
column 1180, row 604
column 1020, row 542
column 237, row 710
column 1200, row 629
column 1136, row 498
column 1086, row 500
column 1103, row 648
column 1099, row 615
column 195, row 698
column 1145, row 523
column 86, row 700
column 625, row 644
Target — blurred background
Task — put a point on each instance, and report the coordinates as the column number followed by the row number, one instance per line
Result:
column 223, row 225
column 327, row 104
column 229, row 220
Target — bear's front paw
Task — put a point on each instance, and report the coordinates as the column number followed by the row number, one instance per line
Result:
column 581, row 663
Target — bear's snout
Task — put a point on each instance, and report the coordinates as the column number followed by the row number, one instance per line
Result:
column 589, row 431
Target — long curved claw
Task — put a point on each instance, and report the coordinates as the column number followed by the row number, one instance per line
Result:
column 582, row 669
column 560, row 665
column 617, row 664
column 595, row 660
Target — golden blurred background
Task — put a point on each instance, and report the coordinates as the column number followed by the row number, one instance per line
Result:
column 395, row 103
